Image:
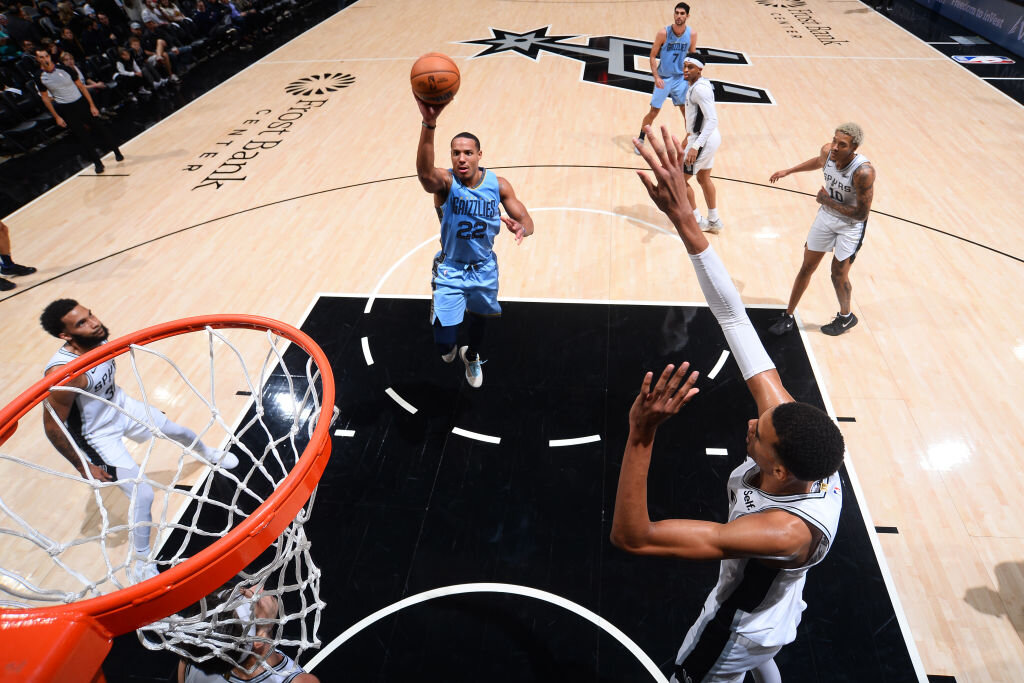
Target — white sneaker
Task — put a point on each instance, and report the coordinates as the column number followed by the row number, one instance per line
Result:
column 143, row 570
column 450, row 356
column 175, row 79
column 474, row 371
column 225, row 459
column 714, row 227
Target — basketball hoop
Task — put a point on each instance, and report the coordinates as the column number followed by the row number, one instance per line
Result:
column 68, row 642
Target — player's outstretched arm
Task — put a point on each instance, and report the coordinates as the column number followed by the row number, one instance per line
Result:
column 812, row 164
column 780, row 537
column 432, row 179
column 668, row 191
column 521, row 223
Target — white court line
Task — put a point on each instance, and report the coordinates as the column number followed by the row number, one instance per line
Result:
column 555, row 300
column 380, row 283
column 952, row 42
column 344, row 432
column 601, row 212
column 944, row 58
column 399, row 400
column 504, row 588
column 556, row 443
column 869, row 524
column 1003, row 78
column 716, row 451
column 366, row 351
column 718, row 366
column 474, row 435
column 433, row 238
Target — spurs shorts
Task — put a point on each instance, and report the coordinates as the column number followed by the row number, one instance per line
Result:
column 459, row 287
column 106, row 444
column 711, row 655
column 707, row 153
column 830, row 232
column 675, row 86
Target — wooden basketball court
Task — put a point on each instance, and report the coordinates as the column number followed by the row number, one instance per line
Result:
column 297, row 176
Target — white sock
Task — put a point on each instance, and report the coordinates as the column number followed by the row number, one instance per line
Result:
column 696, row 214
column 712, row 214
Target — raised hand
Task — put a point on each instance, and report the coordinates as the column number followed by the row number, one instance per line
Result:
column 665, row 157
column 429, row 112
column 654, row 405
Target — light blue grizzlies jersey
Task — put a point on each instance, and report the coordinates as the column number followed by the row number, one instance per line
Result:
column 471, row 220
column 673, row 52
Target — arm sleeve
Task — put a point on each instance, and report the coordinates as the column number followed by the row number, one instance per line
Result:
column 726, row 305
column 704, row 97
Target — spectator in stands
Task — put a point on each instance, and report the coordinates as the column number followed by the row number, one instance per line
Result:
column 96, row 39
column 20, row 27
column 7, row 266
column 99, row 91
column 69, row 43
column 27, row 63
column 209, row 19
column 169, row 11
column 129, row 74
column 69, row 102
column 156, row 49
column 153, row 78
column 114, row 12
column 133, row 8
column 119, row 33
column 47, row 21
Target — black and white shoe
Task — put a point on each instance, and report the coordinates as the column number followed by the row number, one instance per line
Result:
column 16, row 269
column 839, row 325
column 783, row 325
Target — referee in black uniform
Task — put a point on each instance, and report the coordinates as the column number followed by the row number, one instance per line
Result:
column 69, row 102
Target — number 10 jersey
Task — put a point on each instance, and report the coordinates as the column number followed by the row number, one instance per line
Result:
column 839, row 183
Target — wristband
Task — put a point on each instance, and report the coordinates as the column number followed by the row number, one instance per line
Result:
column 428, row 127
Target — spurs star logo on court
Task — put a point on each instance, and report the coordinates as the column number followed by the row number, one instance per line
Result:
column 612, row 60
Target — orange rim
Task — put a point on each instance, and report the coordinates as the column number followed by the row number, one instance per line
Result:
column 130, row 608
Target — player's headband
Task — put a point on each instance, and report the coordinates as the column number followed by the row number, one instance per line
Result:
column 696, row 62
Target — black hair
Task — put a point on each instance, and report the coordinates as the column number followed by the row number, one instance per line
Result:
column 810, row 444
column 469, row 136
column 53, row 313
column 683, row 5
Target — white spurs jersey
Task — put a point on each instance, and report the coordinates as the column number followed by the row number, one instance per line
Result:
column 284, row 672
column 839, row 183
column 760, row 602
column 89, row 415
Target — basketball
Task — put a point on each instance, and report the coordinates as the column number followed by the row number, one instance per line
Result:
column 435, row 78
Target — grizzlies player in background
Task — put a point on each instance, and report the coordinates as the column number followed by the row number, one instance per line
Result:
column 465, row 274
column 98, row 425
column 668, row 51
column 785, row 498
column 845, row 203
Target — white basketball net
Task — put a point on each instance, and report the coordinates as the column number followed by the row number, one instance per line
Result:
column 64, row 538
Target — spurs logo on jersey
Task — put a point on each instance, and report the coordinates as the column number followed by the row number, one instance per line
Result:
column 88, row 415
column 839, row 182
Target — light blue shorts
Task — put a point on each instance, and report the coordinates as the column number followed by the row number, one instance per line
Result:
column 459, row 287
column 676, row 86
